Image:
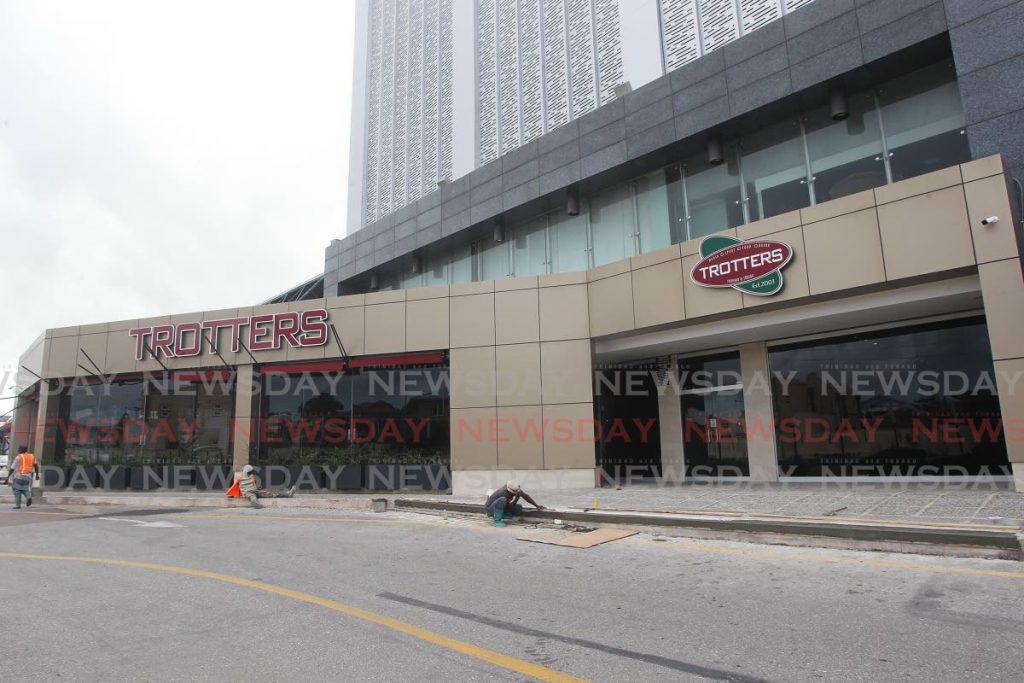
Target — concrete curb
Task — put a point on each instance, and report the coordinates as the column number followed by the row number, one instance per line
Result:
column 187, row 501
column 1007, row 541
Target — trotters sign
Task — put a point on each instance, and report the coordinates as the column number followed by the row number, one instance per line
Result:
column 257, row 333
column 751, row 267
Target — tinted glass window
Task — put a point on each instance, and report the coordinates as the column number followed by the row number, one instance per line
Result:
column 918, row 401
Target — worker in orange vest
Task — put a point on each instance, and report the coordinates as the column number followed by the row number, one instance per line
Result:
column 247, row 486
column 19, row 476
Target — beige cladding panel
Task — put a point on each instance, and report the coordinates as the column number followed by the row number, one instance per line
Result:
column 985, row 198
column 472, row 320
column 120, row 354
column 926, row 234
column 426, row 326
column 516, row 316
column 918, row 185
column 569, row 436
column 566, row 370
column 843, row 252
column 1010, row 384
column 473, row 377
column 385, row 328
column 1002, row 290
column 518, row 374
column 701, row 301
column 794, row 275
column 349, row 322
column 981, row 168
column 658, row 294
column 564, row 313
column 611, row 305
column 474, row 439
column 62, row 356
column 94, row 346
column 520, row 437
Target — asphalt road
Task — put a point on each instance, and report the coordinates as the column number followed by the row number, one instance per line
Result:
column 267, row 595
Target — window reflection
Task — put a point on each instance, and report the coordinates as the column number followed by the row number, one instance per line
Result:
column 846, row 156
column 889, row 403
column 774, row 168
column 712, row 194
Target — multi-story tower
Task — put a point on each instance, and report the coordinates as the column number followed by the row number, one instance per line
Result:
column 504, row 72
column 402, row 119
column 541, row 63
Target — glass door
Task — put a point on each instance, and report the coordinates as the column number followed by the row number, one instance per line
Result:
column 714, row 419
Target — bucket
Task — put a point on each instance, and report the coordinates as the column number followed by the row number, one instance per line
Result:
column 380, row 504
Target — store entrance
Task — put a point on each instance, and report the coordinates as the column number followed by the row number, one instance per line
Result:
column 714, row 419
column 628, row 434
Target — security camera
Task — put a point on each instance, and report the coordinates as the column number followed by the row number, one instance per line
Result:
column 991, row 220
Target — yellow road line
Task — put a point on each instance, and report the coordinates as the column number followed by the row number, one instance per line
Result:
column 804, row 557
column 530, row 669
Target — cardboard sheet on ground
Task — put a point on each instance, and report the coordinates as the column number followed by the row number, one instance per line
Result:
column 574, row 539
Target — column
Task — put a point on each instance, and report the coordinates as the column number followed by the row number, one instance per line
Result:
column 246, row 412
column 757, row 404
column 670, row 426
column 44, row 441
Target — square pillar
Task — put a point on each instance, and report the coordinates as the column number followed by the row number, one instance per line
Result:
column 670, row 426
column 246, row 416
column 1018, row 476
column 44, row 439
column 760, row 418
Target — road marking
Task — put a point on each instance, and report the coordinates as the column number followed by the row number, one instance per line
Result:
column 803, row 557
column 530, row 669
column 139, row 522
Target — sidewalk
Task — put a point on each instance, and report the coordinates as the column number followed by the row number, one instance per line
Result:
column 970, row 520
column 956, row 504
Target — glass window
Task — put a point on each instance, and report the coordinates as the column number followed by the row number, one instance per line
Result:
column 923, row 121
column 774, row 168
column 611, row 224
column 846, row 156
column 568, row 242
column 529, row 248
column 101, row 423
column 652, row 211
column 436, row 268
column 461, row 269
column 712, row 195
column 493, row 262
column 913, row 401
column 411, row 280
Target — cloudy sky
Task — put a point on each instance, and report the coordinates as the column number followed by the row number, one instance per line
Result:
column 160, row 158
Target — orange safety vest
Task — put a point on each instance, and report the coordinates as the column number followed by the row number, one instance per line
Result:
column 26, row 461
column 236, row 490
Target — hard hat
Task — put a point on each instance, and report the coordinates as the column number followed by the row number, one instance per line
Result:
column 248, row 469
column 512, row 485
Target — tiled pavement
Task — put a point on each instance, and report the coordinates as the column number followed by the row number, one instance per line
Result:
column 922, row 502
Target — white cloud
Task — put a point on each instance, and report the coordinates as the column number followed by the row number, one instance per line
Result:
column 163, row 158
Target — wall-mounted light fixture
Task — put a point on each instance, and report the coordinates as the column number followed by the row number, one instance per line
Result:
column 715, row 156
column 572, row 201
column 838, row 107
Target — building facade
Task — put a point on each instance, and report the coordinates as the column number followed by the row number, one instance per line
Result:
column 794, row 258
column 510, row 71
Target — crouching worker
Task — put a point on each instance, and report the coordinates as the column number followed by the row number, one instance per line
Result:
column 503, row 503
column 247, row 486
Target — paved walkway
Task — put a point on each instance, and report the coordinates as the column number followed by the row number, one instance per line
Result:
column 911, row 502
column 923, row 502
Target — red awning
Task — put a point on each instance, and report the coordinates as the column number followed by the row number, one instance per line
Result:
column 298, row 368
column 397, row 360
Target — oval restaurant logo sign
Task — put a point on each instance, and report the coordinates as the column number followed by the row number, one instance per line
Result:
column 752, row 266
